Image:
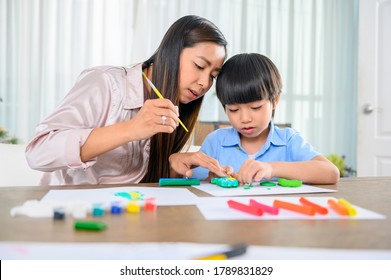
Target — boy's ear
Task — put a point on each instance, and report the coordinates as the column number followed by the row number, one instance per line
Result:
column 276, row 102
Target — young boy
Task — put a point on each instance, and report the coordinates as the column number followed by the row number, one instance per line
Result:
column 249, row 89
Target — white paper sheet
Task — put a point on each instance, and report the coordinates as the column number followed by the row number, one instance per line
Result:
column 258, row 190
column 216, row 208
column 172, row 251
column 105, row 196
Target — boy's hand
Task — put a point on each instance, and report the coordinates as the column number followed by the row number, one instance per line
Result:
column 253, row 170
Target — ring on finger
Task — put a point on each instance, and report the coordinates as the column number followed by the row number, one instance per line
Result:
column 164, row 119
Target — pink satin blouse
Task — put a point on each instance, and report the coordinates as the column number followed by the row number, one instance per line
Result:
column 102, row 96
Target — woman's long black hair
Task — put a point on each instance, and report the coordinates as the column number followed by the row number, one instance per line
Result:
column 186, row 32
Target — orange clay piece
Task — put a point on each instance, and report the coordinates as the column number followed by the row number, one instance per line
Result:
column 343, row 211
column 318, row 208
column 307, row 210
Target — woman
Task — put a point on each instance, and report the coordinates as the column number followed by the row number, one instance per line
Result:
column 112, row 129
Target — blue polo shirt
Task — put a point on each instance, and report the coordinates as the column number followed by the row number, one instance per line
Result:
column 282, row 144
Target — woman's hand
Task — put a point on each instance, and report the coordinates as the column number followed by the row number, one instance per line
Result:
column 253, row 170
column 156, row 115
column 145, row 124
column 183, row 163
column 228, row 171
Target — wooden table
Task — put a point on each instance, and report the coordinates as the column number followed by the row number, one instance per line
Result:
column 186, row 224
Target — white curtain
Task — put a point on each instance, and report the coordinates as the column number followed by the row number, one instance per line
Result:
column 45, row 44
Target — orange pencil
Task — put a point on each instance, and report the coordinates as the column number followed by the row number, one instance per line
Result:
column 338, row 207
column 307, row 210
column 318, row 208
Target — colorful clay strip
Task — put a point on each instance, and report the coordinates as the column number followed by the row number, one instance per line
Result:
column 289, row 183
column 318, row 208
column 307, row 210
column 267, row 184
column 90, row 225
column 341, row 210
column 225, row 182
column 266, row 208
column 351, row 210
column 245, row 208
column 179, row 182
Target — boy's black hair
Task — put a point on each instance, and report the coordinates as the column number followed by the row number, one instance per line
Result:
column 246, row 78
